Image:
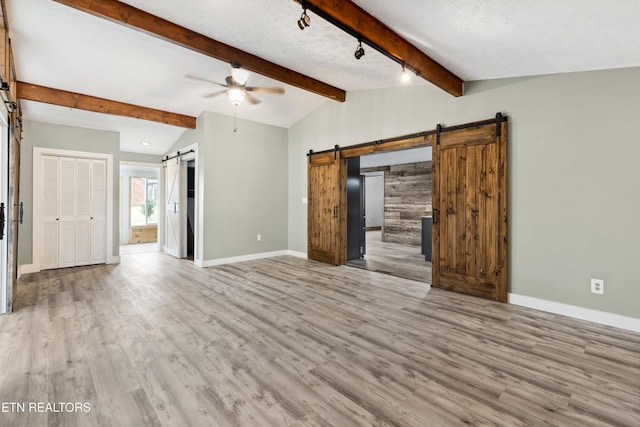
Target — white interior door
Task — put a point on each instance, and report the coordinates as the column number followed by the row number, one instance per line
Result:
column 49, row 212
column 67, row 213
column 173, row 235
column 98, row 211
column 83, row 211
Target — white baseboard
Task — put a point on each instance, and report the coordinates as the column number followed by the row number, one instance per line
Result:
column 241, row 258
column 297, row 254
column 602, row 317
column 26, row 269
column 113, row 260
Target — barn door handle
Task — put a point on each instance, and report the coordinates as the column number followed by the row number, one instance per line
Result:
column 2, row 221
column 435, row 216
column 21, row 211
column 335, row 211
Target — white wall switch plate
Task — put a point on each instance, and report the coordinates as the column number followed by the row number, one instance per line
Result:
column 259, row 237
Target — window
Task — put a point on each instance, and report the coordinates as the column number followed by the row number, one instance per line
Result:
column 144, row 200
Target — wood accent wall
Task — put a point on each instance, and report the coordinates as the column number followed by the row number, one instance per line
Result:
column 407, row 192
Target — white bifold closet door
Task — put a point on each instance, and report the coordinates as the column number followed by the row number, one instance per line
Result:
column 67, row 213
column 98, row 211
column 83, row 211
column 50, row 219
column 73, row 212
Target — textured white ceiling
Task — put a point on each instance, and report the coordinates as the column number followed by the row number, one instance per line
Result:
column 60, row 47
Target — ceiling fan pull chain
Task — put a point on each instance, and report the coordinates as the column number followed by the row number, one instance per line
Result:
column 235, row 120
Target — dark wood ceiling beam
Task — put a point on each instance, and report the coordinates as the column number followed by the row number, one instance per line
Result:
column 358, row 22
column 32, row 92
column 140, row 20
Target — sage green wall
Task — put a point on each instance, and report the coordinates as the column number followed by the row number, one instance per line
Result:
column 47, row 135
column 572, row 172
column 245, row 185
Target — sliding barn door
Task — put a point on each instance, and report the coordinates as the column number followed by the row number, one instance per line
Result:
column 470, row 210
column 172, row 188
column 326, row 237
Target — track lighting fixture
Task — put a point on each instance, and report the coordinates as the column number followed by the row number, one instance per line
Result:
column 359, row 53
column 304, row 20
column 405, row 76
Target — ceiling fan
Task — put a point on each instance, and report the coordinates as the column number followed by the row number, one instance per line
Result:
column 236, row 87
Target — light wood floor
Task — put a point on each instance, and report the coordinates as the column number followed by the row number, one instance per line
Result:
column 156, row 341
column 393, row 258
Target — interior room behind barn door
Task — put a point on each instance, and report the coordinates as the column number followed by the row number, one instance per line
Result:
column 389, row 213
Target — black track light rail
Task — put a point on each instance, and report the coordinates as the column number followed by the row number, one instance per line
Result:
column 355, row 34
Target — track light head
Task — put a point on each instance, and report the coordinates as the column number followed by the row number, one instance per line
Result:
column 359, row 53
column 304, row 20
column 405, row 76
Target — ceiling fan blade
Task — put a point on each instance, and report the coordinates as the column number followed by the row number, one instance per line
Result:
column 203, row 80
column 252, row 99
column 211, row 95
column 278, row 90
column 231, row 82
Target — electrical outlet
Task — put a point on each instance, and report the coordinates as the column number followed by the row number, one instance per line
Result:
column 259, row 237
column 597, row 286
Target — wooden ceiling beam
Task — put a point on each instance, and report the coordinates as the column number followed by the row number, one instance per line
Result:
column 356, row 21
column 32, row 92
column 140, row 20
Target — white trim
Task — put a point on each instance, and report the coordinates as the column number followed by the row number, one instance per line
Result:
column 241, row 258
column 602, row 317
column 143, row 164
column 38, row 152
column 26, row 269
column 113, row 260
column 297, row 254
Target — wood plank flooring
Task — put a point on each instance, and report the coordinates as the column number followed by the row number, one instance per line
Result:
column 156, row 341
column 393, row 258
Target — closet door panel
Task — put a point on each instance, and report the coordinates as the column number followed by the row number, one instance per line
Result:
column 67, row 213
column 49, row 241
column 98, row 211
column 83, row 212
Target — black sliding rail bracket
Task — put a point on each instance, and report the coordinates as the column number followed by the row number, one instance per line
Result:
column 177, row 156
column 2, row 221
column 438, row 130
column 310, row 153
column 335, row 151
column 498, row 124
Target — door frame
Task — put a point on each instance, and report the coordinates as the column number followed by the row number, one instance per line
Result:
column 5, row 293
column 160, row 178
column 421, row 139
column 36, row 238
column 198, row 228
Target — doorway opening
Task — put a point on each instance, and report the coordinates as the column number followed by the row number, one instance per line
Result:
column 140, row 208
column 389, row 213
column 183, row 229
column 191, row 209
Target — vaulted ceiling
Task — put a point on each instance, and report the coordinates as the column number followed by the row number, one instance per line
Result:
column 60, row 47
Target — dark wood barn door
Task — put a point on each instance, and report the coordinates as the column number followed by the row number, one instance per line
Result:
column 325, row 217
column 470, row 210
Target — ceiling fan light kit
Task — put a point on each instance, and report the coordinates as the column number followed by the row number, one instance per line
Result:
column 236, row 96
